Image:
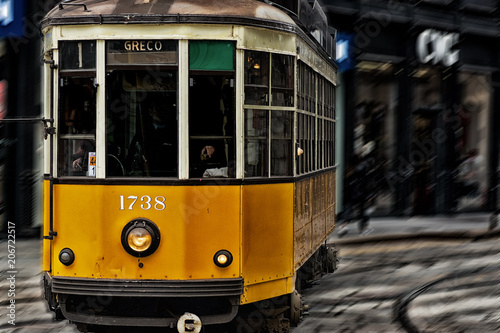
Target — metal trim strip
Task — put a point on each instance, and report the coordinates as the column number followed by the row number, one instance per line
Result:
column 148, row 288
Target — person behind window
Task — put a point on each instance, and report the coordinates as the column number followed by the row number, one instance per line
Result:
column 79, row 119
column 153, row 151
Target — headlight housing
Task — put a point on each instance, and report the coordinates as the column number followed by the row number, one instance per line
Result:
column 66, row 256
column 223, row 258
column 140, row 237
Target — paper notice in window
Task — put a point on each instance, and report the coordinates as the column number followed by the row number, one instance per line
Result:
column 91, row 169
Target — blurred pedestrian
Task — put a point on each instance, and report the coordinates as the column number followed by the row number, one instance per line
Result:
column 360, row 191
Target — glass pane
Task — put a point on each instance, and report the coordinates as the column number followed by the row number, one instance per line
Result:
column 77, row 55
column 142, row 52
column 301, row 140
column 282, row 80
column 142, row 123
column 211, row 55
column 256, row 144
column 471, row 125
column 211, row 126
column 281, row 143
column 256, row 78
column 76, row 127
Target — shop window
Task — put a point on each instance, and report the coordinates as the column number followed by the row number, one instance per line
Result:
column 470, row 122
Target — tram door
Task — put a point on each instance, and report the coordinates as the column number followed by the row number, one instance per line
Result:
column 211, row 109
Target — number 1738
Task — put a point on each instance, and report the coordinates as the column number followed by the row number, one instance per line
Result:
column 145, row 202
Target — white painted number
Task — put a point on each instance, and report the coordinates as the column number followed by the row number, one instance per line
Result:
column 146, row 202
column 146, row 205
column 160, row 203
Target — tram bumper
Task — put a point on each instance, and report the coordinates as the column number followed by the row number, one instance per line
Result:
column 148, row 303
column 189, row 322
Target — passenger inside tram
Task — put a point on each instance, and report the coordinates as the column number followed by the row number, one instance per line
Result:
column 143, row 125
column 154, row 147
column 211, row 122
column 76, row 127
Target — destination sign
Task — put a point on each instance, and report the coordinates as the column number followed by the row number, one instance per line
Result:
column 142, row 52
column 142, row 46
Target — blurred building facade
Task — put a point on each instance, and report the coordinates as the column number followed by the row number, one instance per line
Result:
column 20, row 97
column 420, row 85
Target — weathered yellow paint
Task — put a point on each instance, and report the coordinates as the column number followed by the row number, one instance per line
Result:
column 254, row 222
column 46, row 249
column 197, row 222
column 267, row 233
column 314, row 214
column 266, row 40
column 311, row 57
column 269, row 289
column 247, row 37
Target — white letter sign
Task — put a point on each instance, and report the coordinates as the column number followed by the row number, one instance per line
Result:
column 437, row 47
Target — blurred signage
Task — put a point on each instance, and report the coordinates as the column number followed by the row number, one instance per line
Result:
column 437, row 47
column 6, row 12
column 11, row 18
column 345, row 51
column 3, row 98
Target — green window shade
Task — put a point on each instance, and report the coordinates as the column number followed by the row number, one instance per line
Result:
column 211, row 55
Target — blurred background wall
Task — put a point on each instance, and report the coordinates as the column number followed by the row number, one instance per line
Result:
column 419, row 84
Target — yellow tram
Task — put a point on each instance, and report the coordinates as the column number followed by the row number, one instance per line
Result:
column 189, row 166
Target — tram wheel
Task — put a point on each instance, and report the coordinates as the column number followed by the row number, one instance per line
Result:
column 331, row 260
column 296, row 308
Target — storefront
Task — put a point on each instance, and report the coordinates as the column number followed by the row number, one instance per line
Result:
column 420, row 96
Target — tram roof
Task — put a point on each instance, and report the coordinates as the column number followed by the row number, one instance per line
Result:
column 166, row 11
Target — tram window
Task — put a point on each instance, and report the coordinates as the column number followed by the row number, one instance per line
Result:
column 211, row 126
column 321, row 144
column 141, row 109
column 76, row 127
column 211, row 55
column 142, row 123
column 256, row 78
column 256, row 143
column 307, row 88
column 321, row 96
column 282, row 80
column 211, row 109
column 77, row 55
column 281, row 143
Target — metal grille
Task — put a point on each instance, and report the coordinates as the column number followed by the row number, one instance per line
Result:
column 148, row 288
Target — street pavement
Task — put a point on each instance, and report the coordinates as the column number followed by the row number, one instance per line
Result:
column 467, row 225
column 31, row 314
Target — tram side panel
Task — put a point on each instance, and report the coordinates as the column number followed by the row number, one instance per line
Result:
column 314, row 214
column 267, row 241
column 194, row 221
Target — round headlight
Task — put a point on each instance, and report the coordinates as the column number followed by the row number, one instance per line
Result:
column 223, row 258
column 140, row 237
column 66, row 256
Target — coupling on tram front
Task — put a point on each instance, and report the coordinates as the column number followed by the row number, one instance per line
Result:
column 189, row 173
